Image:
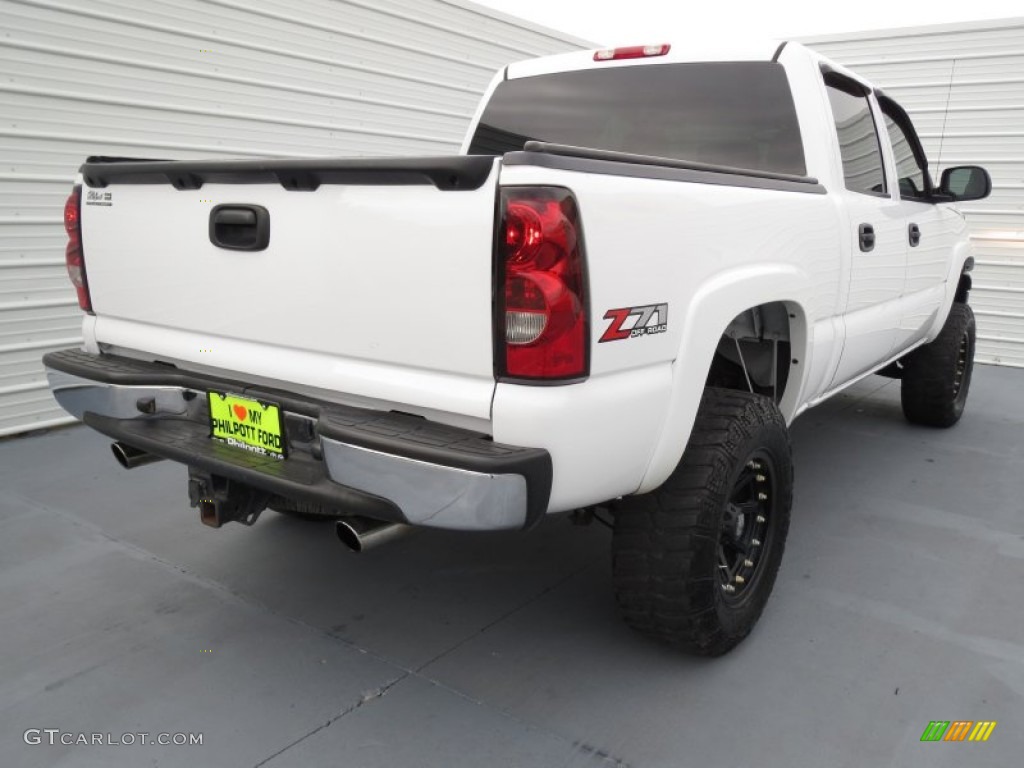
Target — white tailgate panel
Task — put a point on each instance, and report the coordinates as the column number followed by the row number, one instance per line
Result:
column 396, row 275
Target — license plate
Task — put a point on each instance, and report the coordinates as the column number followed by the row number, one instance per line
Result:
column 246, row 423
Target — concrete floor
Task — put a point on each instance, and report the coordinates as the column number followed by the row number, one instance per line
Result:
column 900, row 601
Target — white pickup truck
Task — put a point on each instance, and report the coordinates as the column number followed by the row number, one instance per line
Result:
column 644, row 264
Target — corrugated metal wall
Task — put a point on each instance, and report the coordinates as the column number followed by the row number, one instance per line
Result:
column 963, row 86
column 209, row 78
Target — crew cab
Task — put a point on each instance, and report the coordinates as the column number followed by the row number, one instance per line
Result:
column 643, row 265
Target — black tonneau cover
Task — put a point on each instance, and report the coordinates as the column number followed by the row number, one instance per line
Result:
column 611, row 163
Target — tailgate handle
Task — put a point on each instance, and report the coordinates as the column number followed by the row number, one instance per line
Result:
column 240, row 227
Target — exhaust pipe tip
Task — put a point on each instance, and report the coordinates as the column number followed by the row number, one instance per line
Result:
column 362, row 533
column 120, row 451
column 130, row 457
column 349, row 536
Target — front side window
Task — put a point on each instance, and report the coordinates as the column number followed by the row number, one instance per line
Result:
column 863, row 170
column 739, row 114
column 911, row 167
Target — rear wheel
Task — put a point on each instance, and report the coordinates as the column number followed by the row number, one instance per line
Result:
column 695, row 561
column 937, row 376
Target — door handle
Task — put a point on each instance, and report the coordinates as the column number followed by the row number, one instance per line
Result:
column 240, row 227
column 914, row 235
column 866, row 234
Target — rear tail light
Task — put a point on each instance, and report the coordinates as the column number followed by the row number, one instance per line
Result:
column 631, row 52
column 73, row 255
column 541, row 308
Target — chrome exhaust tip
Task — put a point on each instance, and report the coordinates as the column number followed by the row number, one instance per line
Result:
column 130, row 457
column 362, row 533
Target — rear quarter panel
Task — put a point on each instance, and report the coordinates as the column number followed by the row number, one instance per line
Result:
column 709, row 252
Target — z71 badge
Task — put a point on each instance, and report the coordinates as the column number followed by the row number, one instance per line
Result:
column 650, row 319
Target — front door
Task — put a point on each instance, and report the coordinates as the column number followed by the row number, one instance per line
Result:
column 931, row 232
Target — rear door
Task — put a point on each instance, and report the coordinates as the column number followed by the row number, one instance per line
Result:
column 875, row 235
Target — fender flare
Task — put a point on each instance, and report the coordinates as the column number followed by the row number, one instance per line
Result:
column 963, row 257
column 713, row 306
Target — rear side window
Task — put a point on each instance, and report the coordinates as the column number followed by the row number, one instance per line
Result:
column 739, row 114
column 858, row 138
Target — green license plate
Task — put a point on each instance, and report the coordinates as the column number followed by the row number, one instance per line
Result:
column 246, row 423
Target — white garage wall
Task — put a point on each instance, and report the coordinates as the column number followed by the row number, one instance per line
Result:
column 209, row 78
column 963, row 85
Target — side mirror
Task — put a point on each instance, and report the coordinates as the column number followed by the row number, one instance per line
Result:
column 965, row 182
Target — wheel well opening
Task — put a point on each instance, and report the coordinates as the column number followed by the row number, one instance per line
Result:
column 754, row 352
column 963, row 288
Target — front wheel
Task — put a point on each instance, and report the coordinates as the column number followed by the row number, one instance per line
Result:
column 694, row 561
column 937, row 376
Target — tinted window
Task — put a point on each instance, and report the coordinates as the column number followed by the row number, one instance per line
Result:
column 858, row 139
column 909, row 175
column 737, row 114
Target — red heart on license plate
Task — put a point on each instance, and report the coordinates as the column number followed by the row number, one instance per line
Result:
column 240, row 412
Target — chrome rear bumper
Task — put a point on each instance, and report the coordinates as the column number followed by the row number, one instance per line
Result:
column 386, row 465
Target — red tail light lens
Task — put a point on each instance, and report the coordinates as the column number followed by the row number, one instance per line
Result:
column 541, row 307
column 73, row 255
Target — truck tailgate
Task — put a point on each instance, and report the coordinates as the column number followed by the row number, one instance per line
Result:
column 365, row 264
